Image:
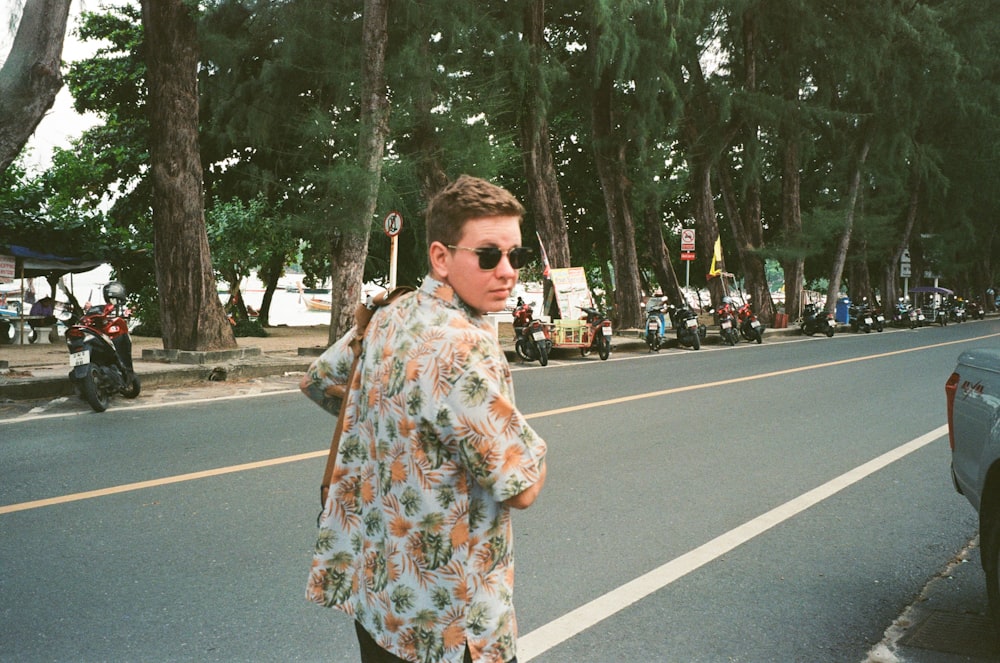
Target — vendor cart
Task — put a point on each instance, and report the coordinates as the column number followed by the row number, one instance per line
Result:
column 580, row 325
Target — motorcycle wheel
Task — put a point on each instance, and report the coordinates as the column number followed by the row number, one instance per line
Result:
column 696, row 341
column 758, row 336
column 829, row 332
column 96, row 397
column 521, row 350
column 879, row 328
column 132, row 387
column 543, row 354
column 603, row 347
column 731, row 338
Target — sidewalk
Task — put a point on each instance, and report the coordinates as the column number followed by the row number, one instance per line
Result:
column 39, row 370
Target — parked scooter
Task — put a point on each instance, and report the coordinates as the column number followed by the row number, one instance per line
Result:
column 532, row 339
column 750, row 327
column 656, row 324
column 728, row 326
column 599, row 333
column 861, row 317
column 100, row 351
column 685, row 321
column 975, row 310
column 905, row 315
column 956, row 310
column 816, row 320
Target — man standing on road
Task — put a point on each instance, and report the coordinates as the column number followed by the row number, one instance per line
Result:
column 415, row 538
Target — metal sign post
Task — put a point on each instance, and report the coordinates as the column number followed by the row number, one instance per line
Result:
column 904, row 271
column 687, row 253
column 393, row 224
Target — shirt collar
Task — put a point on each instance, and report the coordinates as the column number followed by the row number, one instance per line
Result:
column 446, row 294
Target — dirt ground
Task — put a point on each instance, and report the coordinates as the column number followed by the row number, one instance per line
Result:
column 280, row 340
column 283, row 340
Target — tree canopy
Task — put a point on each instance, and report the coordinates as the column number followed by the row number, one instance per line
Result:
column 824, row 137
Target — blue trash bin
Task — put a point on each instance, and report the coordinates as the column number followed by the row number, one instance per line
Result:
column 842, row 315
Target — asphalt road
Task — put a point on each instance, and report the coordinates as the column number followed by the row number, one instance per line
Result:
column 783, row 502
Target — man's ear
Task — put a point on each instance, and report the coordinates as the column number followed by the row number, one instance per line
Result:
column 438, row 254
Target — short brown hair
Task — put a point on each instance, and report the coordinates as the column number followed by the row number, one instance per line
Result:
column 467, row 198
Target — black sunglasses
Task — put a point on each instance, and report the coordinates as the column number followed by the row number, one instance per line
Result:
column 489, row 256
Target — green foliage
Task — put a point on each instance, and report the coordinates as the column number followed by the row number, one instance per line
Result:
column 244, row 328
column 279, row 126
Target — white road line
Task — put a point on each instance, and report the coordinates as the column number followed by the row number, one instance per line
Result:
column 572, row 623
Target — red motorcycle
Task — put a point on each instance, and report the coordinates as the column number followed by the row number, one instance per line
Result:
column 532, row 338
column 727, row 321
column 599, row 333
column 750, row 327
column 100, row 351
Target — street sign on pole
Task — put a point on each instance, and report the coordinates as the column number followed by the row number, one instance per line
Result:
column 393, row 224
column 687, row 240
column 904, row 264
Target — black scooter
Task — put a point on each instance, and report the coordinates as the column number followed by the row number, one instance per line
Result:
column 816, row 320
column 689, row 333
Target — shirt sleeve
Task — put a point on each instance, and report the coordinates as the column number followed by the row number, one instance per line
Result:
column 326, row 378
column 503, row 453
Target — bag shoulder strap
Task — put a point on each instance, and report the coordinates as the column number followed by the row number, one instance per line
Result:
column 362, row 316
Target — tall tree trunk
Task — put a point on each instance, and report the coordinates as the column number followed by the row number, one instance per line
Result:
column 748, row 230
column 30, row 78
column 609, row 157
column 544, row 198
column 748, row 233
column 269, row 273
column 889, row 292
column 426, row 145
column 349, row 249
column 660, row 257
column 191, row 314
column 706, row 225
column 700, row 123
column 840, row 257
column 792, row 262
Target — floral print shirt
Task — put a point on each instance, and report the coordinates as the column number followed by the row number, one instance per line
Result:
column 415, row 542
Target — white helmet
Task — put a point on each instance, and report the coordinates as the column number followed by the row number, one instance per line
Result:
column 114, row 293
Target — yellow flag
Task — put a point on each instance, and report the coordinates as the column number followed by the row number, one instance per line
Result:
column 716, row 258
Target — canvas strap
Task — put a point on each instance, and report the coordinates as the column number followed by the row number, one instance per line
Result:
column 362, row 316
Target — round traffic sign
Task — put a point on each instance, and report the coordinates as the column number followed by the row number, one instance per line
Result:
column 393, row 223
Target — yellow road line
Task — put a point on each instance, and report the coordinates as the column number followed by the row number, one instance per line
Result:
column 153, row 483
column 180, row 478
column 748, row 378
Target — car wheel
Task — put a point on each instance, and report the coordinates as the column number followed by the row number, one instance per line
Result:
column 990, row 541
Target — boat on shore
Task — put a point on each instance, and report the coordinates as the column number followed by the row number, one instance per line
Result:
column 317, row 304
column 313, row 303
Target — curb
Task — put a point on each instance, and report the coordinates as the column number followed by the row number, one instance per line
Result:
column 250, row 363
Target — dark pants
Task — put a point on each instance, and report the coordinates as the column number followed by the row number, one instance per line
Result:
column 372, row 653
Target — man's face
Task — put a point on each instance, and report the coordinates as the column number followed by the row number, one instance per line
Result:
column 484, row 290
